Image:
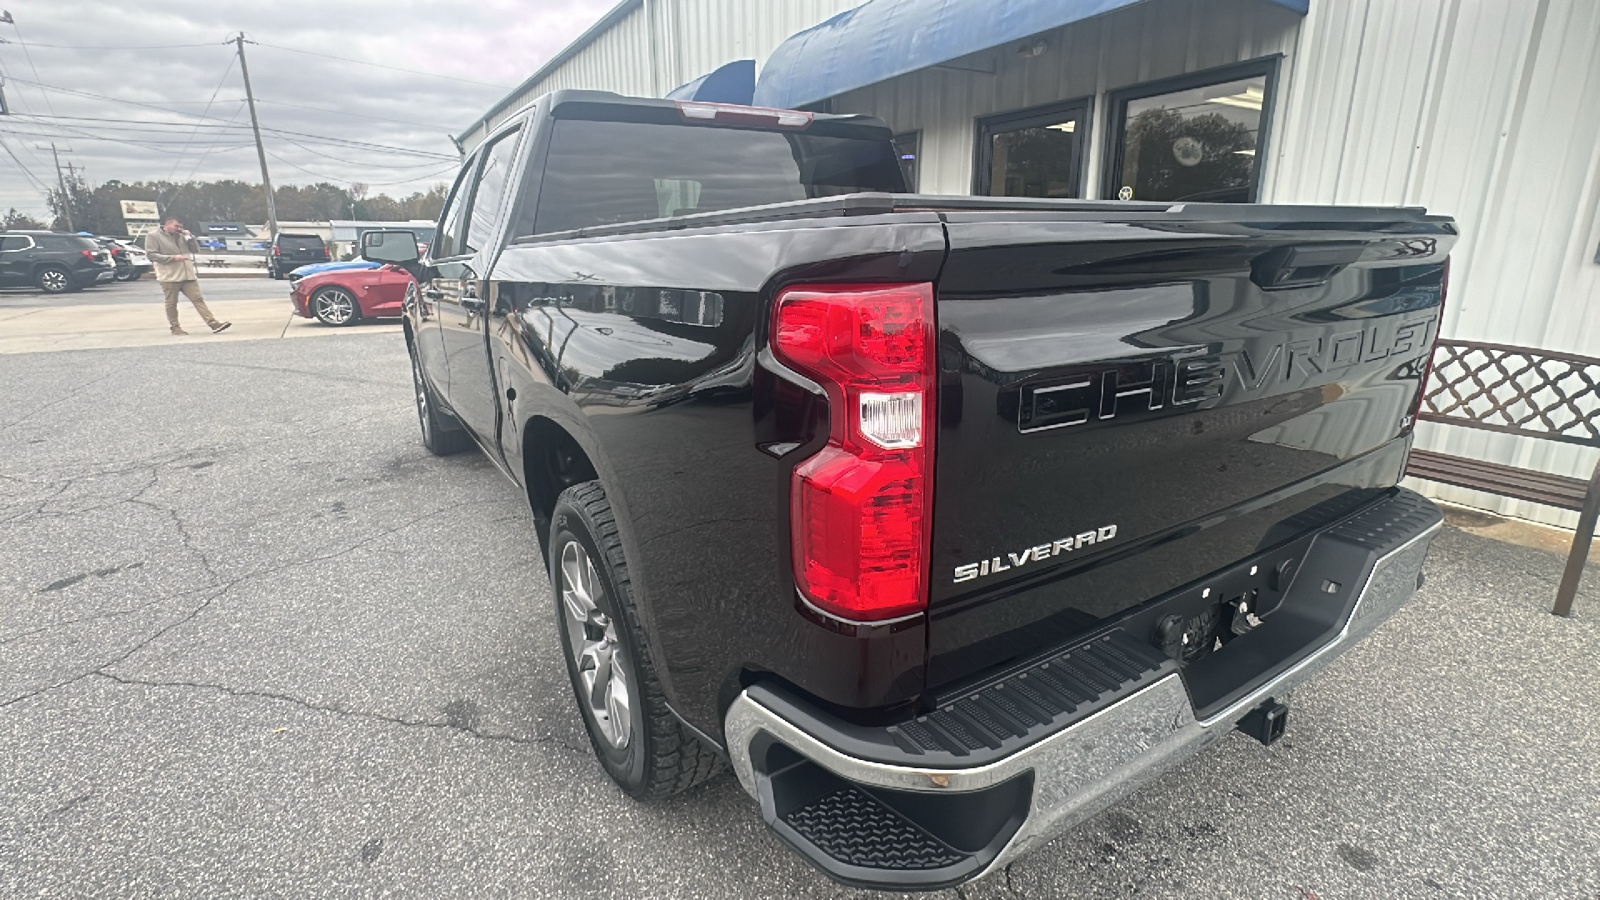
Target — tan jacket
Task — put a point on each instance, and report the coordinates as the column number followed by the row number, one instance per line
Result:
column 162, row 247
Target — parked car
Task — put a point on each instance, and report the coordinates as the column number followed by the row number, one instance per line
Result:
column 291, row 251
column 53, row 262
column 344, row 296
column 139, row 263
column 945, row 521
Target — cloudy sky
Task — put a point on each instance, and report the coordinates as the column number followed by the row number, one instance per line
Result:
column 77, row 72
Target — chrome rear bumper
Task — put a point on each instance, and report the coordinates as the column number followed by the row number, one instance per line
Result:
column 1077, row 771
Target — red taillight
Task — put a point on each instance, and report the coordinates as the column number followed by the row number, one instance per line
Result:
column 276, row 251
column 859, row 509
column 1427, row 363
column 89, row 253
column 326, row 254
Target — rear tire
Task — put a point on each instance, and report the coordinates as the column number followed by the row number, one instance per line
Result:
column 442, row 433
column 54, row 280
column 638, row 740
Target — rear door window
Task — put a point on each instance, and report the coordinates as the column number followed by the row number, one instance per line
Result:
column 608, row 172
column 299, row 242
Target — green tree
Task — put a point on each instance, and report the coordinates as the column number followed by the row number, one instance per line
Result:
column 19, row 221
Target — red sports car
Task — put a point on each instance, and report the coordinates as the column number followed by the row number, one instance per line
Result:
column 340, row 296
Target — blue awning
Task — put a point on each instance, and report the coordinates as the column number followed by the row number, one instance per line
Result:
column 884, row 38
column 732, row 83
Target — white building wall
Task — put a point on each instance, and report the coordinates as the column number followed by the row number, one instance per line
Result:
column 1485, row 110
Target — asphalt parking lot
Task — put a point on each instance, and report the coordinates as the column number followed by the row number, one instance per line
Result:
column 254, row 641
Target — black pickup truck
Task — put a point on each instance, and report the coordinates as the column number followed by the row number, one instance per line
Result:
column 944, row 521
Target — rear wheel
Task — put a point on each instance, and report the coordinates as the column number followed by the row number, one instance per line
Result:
column 54, row 280
column 639, row 742
column 335, row 306
column 442, row 433
column 127, row 275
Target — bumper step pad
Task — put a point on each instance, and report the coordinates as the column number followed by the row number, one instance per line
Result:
column 856, row 829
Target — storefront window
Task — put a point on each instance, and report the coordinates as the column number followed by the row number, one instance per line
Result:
column 908, row 147
column 1196, row 139
column 1033, row 153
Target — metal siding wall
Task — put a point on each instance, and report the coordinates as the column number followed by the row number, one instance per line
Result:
column 1149, row 41
column 1484, row 110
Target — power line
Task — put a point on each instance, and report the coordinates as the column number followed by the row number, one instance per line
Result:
column 343, row 112
column 446, row 170
column 214, row 92
column 199, row 161
column 99, row 47
column 31, row 67
column 23, row 102
column 76, row 135
column 227, row 129
column 353, row 162
column 362, row 62
column 40, row 185
column 149, row 126
column 326, row 177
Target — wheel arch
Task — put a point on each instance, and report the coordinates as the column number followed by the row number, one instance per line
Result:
column 553, row 459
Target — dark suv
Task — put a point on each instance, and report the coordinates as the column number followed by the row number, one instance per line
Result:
column 54, row 263
column 291, row 251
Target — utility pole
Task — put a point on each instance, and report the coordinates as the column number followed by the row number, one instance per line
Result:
column 66, row 198
column 255, row 126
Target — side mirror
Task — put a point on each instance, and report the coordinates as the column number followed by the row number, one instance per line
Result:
column 389, row 246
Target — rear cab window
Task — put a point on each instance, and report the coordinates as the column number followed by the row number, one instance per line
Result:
column 299, row 242
column 607, row 172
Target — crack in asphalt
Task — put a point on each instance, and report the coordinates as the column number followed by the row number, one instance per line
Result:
column 342, row 711
column 320, row 376
column 56, row 402
column 222, row 587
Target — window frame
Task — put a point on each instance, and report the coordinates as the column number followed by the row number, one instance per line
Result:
column 483, row 152
column 986, row 127
column 31, row 243
column 1117, row 112
column 469, row 170
column 915, row 137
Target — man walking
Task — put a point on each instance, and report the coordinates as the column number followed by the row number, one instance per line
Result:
column 173, row 250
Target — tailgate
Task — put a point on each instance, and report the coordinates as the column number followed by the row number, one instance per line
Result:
column 1127, row 406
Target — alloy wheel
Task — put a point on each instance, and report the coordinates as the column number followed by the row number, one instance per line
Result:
column 596, row 652
column 335, row 307
column 53, row 280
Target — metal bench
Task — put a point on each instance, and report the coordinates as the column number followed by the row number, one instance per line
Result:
column 1522, row 391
